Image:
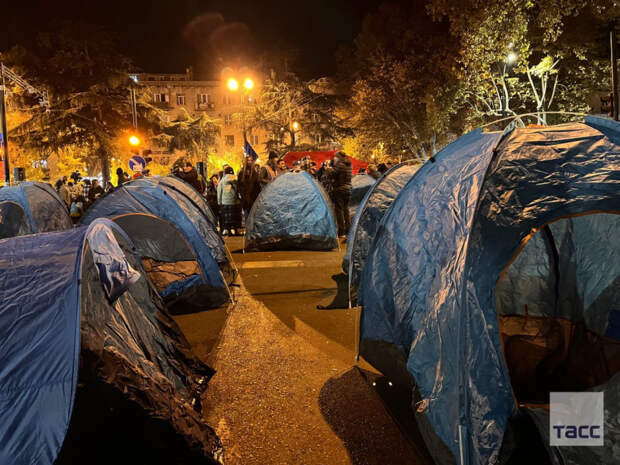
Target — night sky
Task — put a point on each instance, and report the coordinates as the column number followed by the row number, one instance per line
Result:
column 167, row 35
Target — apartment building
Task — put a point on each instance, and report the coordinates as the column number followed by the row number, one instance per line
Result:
column 179, row 94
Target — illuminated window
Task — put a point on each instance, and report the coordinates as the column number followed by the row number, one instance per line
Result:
column 180, row 99
column 227, row 120
column 230, row 140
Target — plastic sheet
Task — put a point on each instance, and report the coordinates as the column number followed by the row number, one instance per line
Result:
column 428, row 287
column 367, row 218
column 292, row 212
column 51, row 299
column 43, row 210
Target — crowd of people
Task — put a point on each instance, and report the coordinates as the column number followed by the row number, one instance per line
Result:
column 231, row 195
column 79, row 193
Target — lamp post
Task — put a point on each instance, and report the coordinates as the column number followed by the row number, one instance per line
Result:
column 233, row 86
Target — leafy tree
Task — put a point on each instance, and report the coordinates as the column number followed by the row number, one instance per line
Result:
column 289, row 106
column 194, row 135
column 89, row 85
column 403, row 82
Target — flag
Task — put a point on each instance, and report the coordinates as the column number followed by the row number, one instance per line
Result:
column 249, row 151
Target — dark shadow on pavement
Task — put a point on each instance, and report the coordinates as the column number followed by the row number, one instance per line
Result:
column 354, row 411
column 341, row 299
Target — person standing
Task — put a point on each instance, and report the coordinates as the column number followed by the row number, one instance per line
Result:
column 270, row 170
column 282, row 168
column 211, row 194
column 228, row 201
column 95, row 191
column 63, row 192
column 121, row 177
column 249, row 185
column 341, row 194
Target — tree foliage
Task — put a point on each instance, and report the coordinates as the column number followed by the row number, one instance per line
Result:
column 89, row 86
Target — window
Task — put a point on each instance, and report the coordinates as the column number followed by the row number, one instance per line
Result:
column 227, row 100
column 203, row 99
column 230, row 140
column 161, row 97
column 318, row 138
column 180, row 99
column 227, row 120
column 254, row 140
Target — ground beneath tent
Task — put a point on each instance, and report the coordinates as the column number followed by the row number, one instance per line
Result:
column 286, row 390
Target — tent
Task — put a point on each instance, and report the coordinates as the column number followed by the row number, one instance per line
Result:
column 172, row 227
column 367, row 218
column 319, row 157
column 360, row 184
column 90, row 357
column 31, row 207
column 430, row 291
column 291, row 212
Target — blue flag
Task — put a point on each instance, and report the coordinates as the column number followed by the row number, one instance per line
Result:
column 249, row 151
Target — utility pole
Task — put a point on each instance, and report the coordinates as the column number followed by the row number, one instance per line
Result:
column 43, row 101
column 614, row 70
column 5, row 144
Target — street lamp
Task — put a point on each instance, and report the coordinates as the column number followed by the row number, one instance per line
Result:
column 248, row 84
column 233, row 84
column 134, row 140
column 295, row 126
column 511, row 58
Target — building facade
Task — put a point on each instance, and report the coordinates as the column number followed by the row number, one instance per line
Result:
column 181, row 94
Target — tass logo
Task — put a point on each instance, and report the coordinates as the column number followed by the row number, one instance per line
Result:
column 576, row 419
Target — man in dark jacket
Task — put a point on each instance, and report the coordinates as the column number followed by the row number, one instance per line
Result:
column 341, row 194
column 248, row 184
column 190, row 176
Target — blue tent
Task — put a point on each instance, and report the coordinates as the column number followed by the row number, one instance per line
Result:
column 292, row 212
column 360, row 184
column 31, row 207
column 177, row 205
column 367, row 218
column 430, row 283
column 78, row 298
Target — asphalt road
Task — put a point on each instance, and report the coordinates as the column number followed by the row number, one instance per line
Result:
column 287, row 389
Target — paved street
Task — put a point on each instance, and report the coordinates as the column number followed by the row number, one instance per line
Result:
column 286, row 389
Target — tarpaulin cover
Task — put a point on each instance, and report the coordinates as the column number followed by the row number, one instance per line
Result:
column 428, row 286
column 164, row 198
column 319, row 157
column 367, row 218
column 52, row 298
column 292, row 212
column 360, row 184
column 41, row 210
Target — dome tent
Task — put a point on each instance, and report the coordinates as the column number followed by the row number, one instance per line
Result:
column 202, row 279
column 428, row 289
column 31, row 207
column 360, row 184
column 367, row 218
column 291, row 212
column 94, row 332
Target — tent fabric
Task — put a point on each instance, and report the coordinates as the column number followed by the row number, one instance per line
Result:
column 360, row 184
column 319, row 157
column 367, row 218
column 428, row 287
column 55, row 316
column 156, row 197
column 292, row 212
column 41, row 210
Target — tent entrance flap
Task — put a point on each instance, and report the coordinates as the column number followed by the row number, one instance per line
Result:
column 559, row 307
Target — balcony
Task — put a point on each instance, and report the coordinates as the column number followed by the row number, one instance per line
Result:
column 204, row 106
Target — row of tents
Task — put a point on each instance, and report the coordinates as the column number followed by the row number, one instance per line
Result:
column 93, row 367
column 489, row 277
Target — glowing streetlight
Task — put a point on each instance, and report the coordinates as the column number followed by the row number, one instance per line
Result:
column 133, row 140
column 248, row 84
column 511, row 58
column 233, row 84
column 295, row 125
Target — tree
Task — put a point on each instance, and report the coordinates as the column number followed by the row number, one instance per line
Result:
column 402, row 83
column 288, row 106
column 89, row 85
column 559, row 51
column 194, row 135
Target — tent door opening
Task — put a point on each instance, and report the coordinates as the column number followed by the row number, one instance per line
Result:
column 559, row 308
